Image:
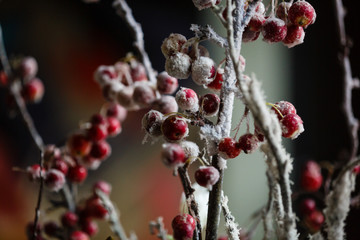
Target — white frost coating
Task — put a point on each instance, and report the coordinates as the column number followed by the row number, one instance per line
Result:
column 203, row 70
column 202, row 4
column 187, row 99
column 57, row 180
column 297, row 41
column 191, row 149
column 178, row 65
column 232, row 227
column 201, row 195
column 338, row 205
column 316, row 236
column 103, row 75
column 172, row 44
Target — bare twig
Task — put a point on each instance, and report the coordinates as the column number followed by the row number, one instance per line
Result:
column 125, row 12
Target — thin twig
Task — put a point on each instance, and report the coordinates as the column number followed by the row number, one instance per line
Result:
column 230, row 224
column 125, row 12
column 159, row 226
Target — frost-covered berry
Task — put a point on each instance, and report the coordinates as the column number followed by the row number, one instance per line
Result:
column 178, row 65
column 97, row 132
column 249, row 36
column 302, row 14
column 166, row 84
column 282, row 10
column 90, row 162
column 291, row 126
column 110, row 90
column 113, row 126
column 207, row 176
column 314, row 221
column 95, row 208
column 123, row 71
column 202, row 4
column 311, row 178
column 295, row 36
column 183, row 227
column 283, row 108
column 79, row 235
column 218, row 80
column 79, row 145
column 191, row 149
column 307, row 206
column 54, row 180
column 115, row 110
column 103, row 186
column 274, row 30
column 175, row 128
column 256, row 22
column 125, row 97
column 248, row 143
column 203, row 70
column 228, row 148
column 60, row 165
column 100, row 150
column 28, row 68
column 144, row 94
column 260, row 8
column 151, row 123
column 77, row 174
column 137, row 71
column 33, row 172
column 209, row 104
column 165, row 104
column 172, row 44
column 33, row 90
column 69, row 219
column 187, row 99
column 105, row 74
column 173, row 155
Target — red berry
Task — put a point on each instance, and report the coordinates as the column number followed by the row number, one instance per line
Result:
column 100, row 150
column 256, row 22
column 103, row 186
column 51, row 228
column 60, row 165
column 248, row 143
column 274, row 30
column 3, row 79
column 187, row 99
column 137, row 71
column 302, row 14
column 166, row 84
column 291, row 126
column 97, row 119
column 356, row 169
column 282, row 10
column 249, row 36
column 207, row 176
column 89, row 227
column 295, row 36
column 314, row 221
column 151, row 123
column 183, row 227
column 311, row 178
column 223, row 238
column 116, row 110
column 165, row 104
column 69, row 219
column 172, row 155
column 77, row 174
column 97, row 132
column 209, row 104
column 54, row 180
column 203, row 70
column 307, row 206
column 174, row 128
column 95, row 208
column 217, row 82
column 79, row 145
column 90, row 162
column 33, row 90
column 144, row 94
column 113, row 126
column 79, row 235
column 33, row 172
column 228, row 148
column 283, row 108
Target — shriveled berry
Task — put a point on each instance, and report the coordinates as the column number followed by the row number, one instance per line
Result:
column 295, row 36
column 173, row 44
column 165, row 104
column 69, row 219
column 33, row 90
column 282, row 10
column 228, row 148
column 207, row 176
column 183, row 227
column 302, row 14
column 174, row 128
column 187, row 99
column 54, row 180
column 77, row 174
column 314, row 221
column 203, row 70
column 291, row 126
column 307, row 206
column 209, row 104
column 178, row 65
column 79, row 235
column 79, row 145
column 166, row 84
column 274, row 30
column 103, row 186
column 151, row 123
column 248, row 143
column 172, row 155
column 311, row 178
column 100, row 150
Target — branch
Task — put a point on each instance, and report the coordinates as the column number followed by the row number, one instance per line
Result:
column 230, row 224
column 125, row 12
column 159, row 225
column 208, row 33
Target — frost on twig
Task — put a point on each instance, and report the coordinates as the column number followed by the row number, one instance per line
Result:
column 158, row 226
column 316, row 236
column 208, row 33
column 230, row 224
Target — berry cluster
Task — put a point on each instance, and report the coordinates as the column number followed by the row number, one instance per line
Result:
column 286, row 24
column 81, row 223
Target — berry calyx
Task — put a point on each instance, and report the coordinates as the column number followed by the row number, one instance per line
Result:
column 228, row 148
column 183, row 227
column 311, row 178
column 207, row 176
column 174, row 128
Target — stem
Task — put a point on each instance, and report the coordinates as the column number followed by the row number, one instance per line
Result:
column 125, row 12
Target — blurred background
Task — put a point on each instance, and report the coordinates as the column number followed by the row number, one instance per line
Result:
column 70, row 39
